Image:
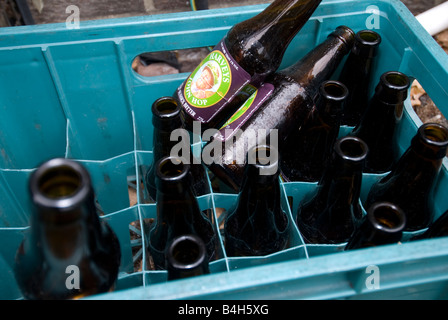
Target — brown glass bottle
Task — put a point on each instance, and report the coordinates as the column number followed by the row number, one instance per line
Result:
column 257, row 46
column 288, row 106
column 69, row 252
column 357, row 75
column 436, row 229
column 383, row 224
column 329, row 214
column 309, row 146
column 410, row 183
column 167, row 117
column 186, row 257
column 178, row 211
column 258, row 225
column 379, row 124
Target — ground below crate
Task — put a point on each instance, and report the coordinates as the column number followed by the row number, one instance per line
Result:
column 421, row 102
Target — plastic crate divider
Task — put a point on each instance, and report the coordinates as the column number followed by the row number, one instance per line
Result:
column 99, row 112
column 14, row 198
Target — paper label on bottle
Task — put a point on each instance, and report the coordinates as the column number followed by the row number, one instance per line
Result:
column 212, row 85
column 245, row 111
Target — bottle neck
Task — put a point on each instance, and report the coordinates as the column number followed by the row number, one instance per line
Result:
column 366, row 44
column 383, row 224
column 63, row 240
column 281, row 21
column 331, row 97
column 320, row 63
column 260, row 190
column 431, row 141
column 176, row 202
column 167, row 116
column 65, row 223
column 341, row 181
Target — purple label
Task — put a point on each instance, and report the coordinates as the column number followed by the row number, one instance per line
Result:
column 245, row 111
column 212, row 85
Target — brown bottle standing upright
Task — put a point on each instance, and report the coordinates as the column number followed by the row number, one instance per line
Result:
column 251, row 50
column 357, row 75
column 166, row 118
column 289, row 104
column 258, row 225
column 413, row 178
column 69, row 252
column 178, row 211
column 330, row 213
column 380, row 122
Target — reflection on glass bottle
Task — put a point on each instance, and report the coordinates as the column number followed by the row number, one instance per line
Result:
column 186, row 257
column 379, row 124
column 383, row 224
column 166, row 118
column 411, row 182
column 357, row 75
column 436, row 229
column 178, row 211
column 295, row 87
column 250, row 51
column 258, row 225
column 330, row 213
column 69, row 252
column 309, row 146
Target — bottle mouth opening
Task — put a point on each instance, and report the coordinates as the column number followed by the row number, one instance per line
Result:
column 171, row 168
column 351, row 148
column 166, row 107
column 396, row 80
column 186, row 252
column 387, row 216
column 435, row 134
column 368, row 37
column 334, row 90
column 59, row 183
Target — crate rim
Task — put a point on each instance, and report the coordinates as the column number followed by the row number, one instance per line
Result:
column 319, row 267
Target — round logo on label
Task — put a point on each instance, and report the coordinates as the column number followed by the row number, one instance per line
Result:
column 210, row 82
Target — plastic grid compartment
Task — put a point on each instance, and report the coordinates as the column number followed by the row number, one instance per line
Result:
column 72, row 93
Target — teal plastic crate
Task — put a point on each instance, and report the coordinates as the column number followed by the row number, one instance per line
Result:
column 73, row 93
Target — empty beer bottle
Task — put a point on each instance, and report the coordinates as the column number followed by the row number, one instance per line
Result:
column 330, row 213
column 167, row 117
column 178, row 211
column 379, row 124
column 251, row 50
column 436, row 229
column 309, row 146
column 383, row 224
column 410, row 183
column 69, row 252
column 295, row 87
column 258, row 225
column 186, row 257
column 357, row 75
